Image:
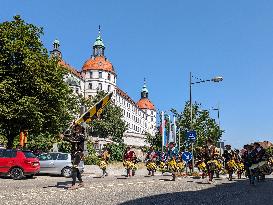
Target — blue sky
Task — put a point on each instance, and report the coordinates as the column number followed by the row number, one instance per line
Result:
column 165, row 40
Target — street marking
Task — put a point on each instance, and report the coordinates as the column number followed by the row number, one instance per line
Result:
column 92, row 187
column 24, row 194
column 151, row 181
column 62, row 190
column 99, row 186
column 53, row 191
column 161, row 180
column 82, row 188
column 120, row 184
column 140, row 182
column 110, row 185
column 130, row 183
column 44, row 192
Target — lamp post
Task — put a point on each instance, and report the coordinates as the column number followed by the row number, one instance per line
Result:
column 216, row 79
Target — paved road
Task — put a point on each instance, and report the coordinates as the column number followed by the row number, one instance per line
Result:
column 156, row 190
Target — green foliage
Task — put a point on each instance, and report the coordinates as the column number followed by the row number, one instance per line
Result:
column 155, row 141
column 92, row 157
column 33, row 94
column 116, row 151
column 205, row 126
column 110, row 123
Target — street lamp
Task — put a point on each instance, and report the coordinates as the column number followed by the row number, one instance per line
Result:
column 216, row 79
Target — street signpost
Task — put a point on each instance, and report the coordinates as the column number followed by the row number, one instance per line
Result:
column 187, row 156
column 191, row 136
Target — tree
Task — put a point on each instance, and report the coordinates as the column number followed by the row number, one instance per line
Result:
column 203, row 124
column 33, row 96
column 110, row 123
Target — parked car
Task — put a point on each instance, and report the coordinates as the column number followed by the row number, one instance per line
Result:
column 57, row 163
column 18, row 163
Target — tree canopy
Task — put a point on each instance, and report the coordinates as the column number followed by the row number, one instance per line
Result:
column 205, row 126
column 33, row 95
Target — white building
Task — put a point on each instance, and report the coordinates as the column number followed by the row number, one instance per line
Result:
column 98, row 74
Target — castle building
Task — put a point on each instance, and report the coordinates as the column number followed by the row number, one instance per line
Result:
column 98, row 74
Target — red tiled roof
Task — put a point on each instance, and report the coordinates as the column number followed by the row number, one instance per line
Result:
column 98, row 63
column 70, row 68
column 145, row 103
column 125, row 95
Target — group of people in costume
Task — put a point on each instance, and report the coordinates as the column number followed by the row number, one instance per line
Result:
column 252, row 160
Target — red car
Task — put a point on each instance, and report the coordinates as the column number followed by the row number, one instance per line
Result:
column 18, row 163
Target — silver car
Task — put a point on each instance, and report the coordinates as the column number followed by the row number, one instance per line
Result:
column 57, row 163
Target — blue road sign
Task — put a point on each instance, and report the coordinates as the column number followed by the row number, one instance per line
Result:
column 191, row 135
column 186, row 156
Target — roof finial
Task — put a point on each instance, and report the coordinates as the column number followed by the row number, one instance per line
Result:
column 99, row 29
column 144, row 81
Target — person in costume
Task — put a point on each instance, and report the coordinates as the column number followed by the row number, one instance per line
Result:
column 150, row 159
column 129, row 160
column 76, row 138
column 78, row 157
column 247, row 159
column 230, row 164
column 172, row 155
column 259, row 159
column 210, row 161
column 202, row 157
column 105, row 156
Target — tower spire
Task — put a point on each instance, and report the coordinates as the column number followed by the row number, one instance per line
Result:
column 56, row 53
column 98, row 46
column 144, row 90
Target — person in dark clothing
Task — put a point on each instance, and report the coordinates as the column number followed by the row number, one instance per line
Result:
column 76, row 138
column 75, row 170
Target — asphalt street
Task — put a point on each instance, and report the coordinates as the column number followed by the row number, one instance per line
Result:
column 158, row 190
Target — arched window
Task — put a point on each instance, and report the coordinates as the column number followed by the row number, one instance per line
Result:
column 90, row 86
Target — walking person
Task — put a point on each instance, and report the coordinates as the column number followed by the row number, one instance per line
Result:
column 78, row 157
column 129, row 160
column 105, row 156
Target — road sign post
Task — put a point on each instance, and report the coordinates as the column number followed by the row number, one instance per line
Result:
column 191, row 136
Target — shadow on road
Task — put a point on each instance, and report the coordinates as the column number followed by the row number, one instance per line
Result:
column 239, row 192
column 60, row 185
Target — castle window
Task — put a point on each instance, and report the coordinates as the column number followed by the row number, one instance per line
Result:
column 109, row 88
column 100, row 74
column 109, row 76
column 100, row 86
column 91, row 74
column 90, row 86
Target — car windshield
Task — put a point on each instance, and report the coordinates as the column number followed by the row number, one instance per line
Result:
column 29, row 154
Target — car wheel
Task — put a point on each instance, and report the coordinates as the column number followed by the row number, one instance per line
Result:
column 16, row 173
column 67, row 172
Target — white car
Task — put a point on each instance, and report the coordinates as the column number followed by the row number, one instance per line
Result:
column 57, row 163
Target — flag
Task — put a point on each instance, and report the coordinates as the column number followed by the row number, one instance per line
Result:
column 95, row 111
column 174, row 129
column 163, row 130
column 170, row 131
